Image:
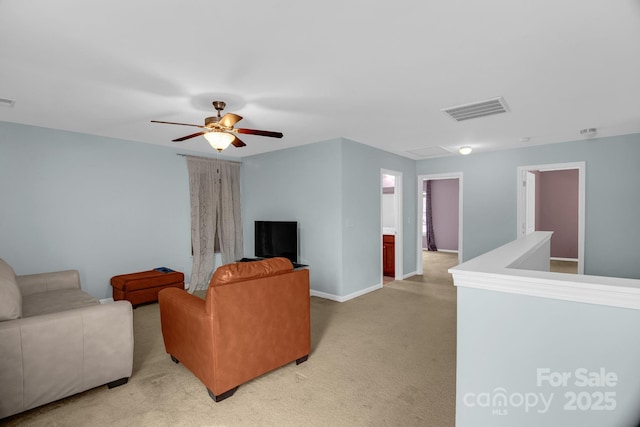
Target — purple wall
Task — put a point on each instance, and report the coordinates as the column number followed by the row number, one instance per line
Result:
column 444, row 201
column 557, row 210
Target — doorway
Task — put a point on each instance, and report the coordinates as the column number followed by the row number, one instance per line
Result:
column 391, row 241
column 422, row 179
column 568, row 222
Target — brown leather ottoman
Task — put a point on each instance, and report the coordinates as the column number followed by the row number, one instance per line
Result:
column 142, row 287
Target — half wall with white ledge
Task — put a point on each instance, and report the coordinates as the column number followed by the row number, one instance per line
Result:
column 541, row 348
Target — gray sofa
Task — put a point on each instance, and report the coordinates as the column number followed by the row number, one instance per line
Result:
column 56, row 340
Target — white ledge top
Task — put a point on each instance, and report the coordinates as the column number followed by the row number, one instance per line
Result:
column 497, row 271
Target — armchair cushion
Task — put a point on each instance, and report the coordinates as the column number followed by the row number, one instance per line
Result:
column 10, row 296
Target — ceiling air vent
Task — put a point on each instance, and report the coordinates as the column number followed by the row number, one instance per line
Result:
column 488, row 107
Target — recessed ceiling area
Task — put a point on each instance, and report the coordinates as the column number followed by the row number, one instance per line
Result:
column 378, row 73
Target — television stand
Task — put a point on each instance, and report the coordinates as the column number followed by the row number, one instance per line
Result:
column 295, row 264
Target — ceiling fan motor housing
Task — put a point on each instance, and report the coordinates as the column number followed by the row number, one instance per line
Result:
column 211, row 121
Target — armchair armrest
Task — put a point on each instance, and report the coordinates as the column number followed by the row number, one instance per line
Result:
column 177, row 302
column 186, row 329
column 36, row 283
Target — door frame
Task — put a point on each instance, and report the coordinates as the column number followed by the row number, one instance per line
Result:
column 530, row 202
column 522, row 200
column 397, row 193
column 433, row 177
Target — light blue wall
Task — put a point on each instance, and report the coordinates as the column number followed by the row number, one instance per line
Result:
column 612, row 231
column 323, row 186
column 106, row 206
column 99, row 205
column 503, row 339
column 361, row 216
column 299, row 184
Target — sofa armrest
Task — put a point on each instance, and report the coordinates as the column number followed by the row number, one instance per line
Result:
column 35, row 283
column 48, row 357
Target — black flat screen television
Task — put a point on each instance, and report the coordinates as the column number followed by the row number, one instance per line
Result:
column 276, row 239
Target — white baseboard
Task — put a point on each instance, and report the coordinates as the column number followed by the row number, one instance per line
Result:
column 406, row 276
column 106, row 300
column 338, row 298
column 553, row 258
column 451, row 251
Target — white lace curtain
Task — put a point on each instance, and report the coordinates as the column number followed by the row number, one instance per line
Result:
column 214, row 186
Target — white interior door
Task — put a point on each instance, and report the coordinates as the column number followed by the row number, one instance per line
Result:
column 530, row 217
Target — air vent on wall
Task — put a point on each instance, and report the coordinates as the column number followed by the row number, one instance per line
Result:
column 488, row 107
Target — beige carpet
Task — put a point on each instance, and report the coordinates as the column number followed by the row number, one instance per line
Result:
column 569, row 267
column 384, row 359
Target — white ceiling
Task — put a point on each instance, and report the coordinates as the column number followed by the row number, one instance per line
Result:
column 377, row 73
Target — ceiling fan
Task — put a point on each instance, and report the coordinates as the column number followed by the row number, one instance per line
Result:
column 219, row 130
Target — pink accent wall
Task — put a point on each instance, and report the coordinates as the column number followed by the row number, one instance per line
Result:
column 444, row 201
column 557, row 210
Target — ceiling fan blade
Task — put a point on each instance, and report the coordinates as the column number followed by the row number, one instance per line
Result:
column 259, row 132
column 174, row 123
column 237, row 142
column 230, row 119
column 193, row 135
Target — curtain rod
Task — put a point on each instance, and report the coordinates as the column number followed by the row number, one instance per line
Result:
column 206, row 158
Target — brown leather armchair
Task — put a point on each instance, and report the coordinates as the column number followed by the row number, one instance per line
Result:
column 255, row 318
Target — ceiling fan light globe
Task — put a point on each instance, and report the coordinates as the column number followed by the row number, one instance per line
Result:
column 219, row 140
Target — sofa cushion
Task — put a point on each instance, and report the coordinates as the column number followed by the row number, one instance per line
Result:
column 241, row 271
column 56, row 301
column 10, row 296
